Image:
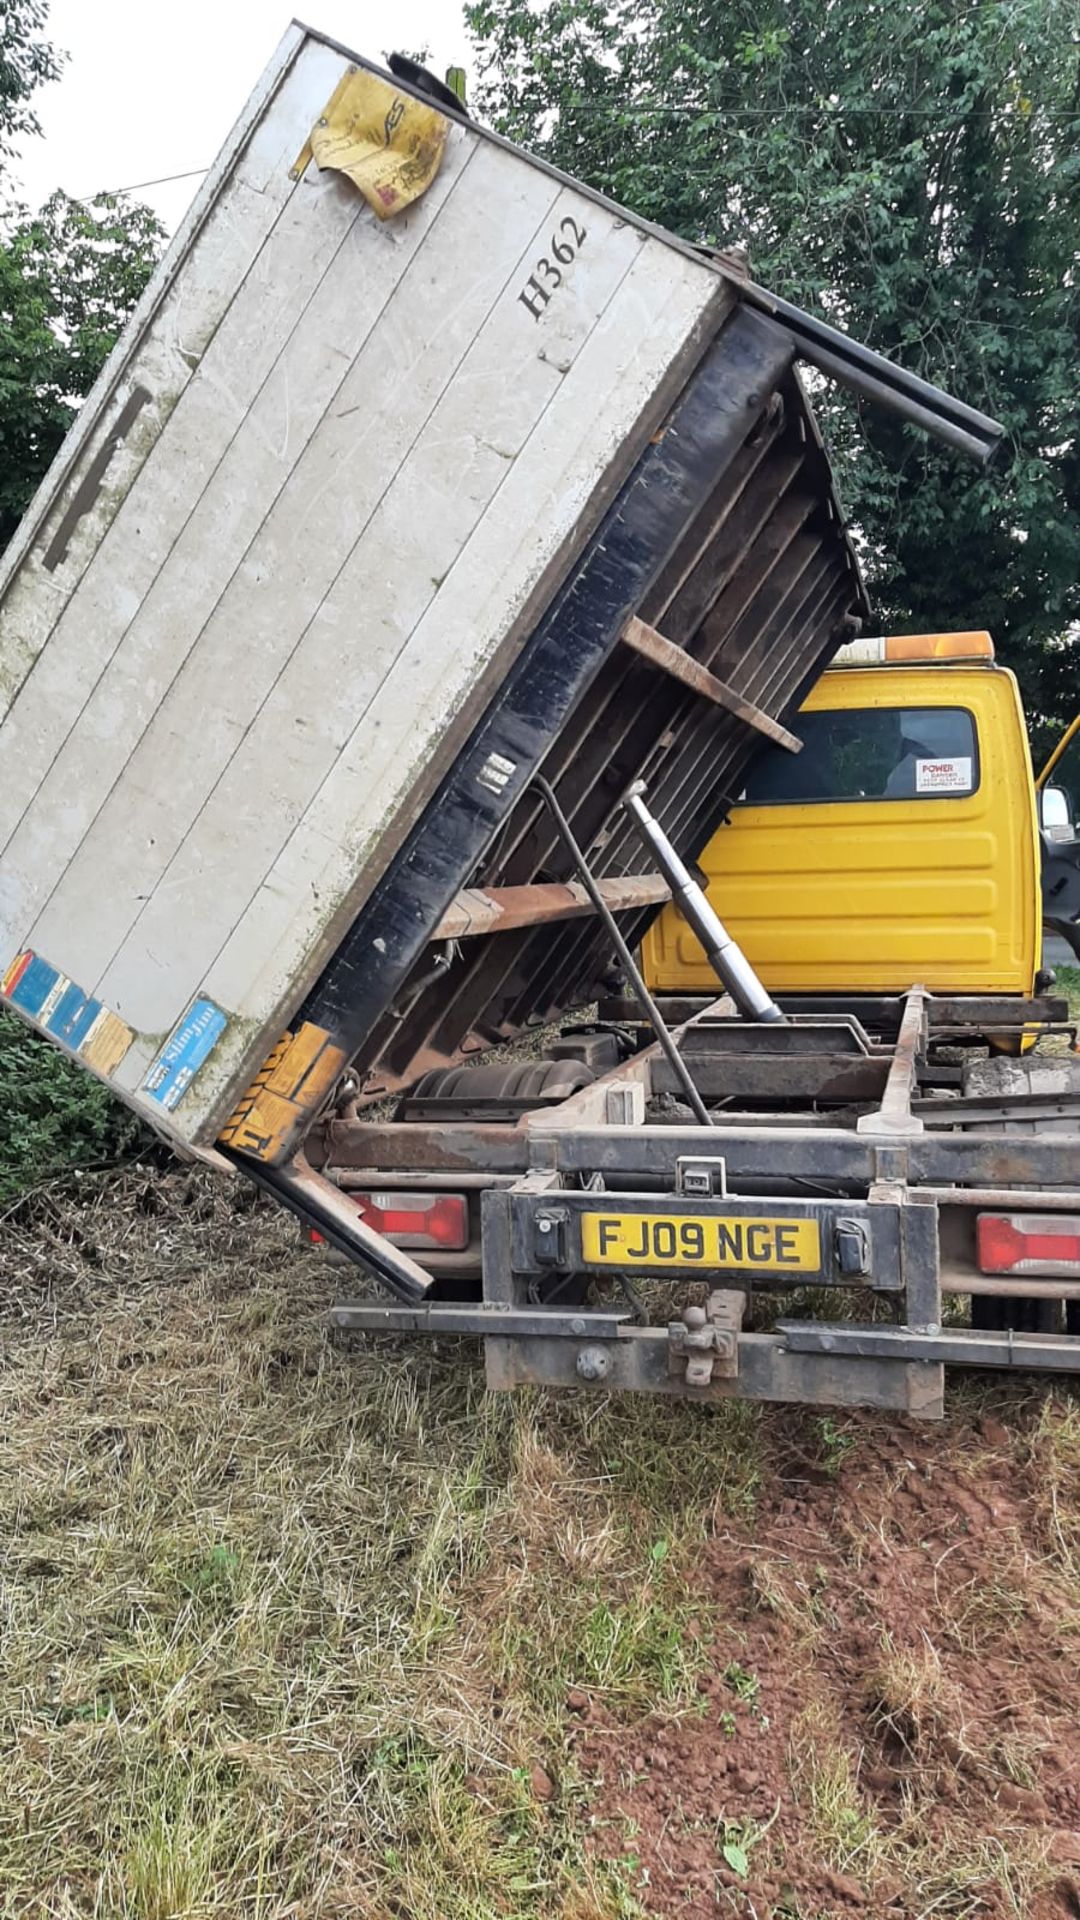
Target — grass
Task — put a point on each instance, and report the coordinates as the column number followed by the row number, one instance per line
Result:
column 913, row 1701
column 841, row 1820
column 295, row 1631
column 288, row 1628
column 934, row 1851
column 1055, row 1452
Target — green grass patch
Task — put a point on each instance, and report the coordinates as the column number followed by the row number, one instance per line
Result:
column 1067, row 981
column 291, row 1627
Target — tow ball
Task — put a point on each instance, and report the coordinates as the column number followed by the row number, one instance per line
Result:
column 703, row 1344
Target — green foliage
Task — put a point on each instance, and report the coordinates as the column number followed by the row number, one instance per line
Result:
column 26, row 61
column 55, row 1116
column 1067, row 981
column 638, row 1651
column 836, row 1443
column 736, row 1857
column 69, row 277
column 909, row 170
column 744, row 1685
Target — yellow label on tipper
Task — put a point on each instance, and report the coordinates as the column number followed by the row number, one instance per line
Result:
column 387, row 142
column 292, row 1084
column 106, row 1043
column 655, row 1240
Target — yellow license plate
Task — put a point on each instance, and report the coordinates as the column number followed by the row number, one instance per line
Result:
column 654, row 1240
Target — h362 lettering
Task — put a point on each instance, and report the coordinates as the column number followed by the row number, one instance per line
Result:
column 565, row 244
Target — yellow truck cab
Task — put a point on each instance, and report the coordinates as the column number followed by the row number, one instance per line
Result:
column 900, row 845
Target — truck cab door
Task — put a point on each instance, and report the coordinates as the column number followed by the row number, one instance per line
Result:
column 1058, row 787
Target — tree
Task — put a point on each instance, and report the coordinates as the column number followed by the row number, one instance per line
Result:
column 911, row 171
column 69, row 277
column 26, row 62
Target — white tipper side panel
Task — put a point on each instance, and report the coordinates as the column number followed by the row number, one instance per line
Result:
column 358, row 455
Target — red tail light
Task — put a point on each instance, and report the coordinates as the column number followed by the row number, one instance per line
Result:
column 1028, row 1242
column 417, row 1219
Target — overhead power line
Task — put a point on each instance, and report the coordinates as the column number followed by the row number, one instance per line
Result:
column 800, row 107
column 643, row 109
column 137, row 186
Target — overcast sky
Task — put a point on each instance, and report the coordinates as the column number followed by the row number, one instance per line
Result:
column 151, row 90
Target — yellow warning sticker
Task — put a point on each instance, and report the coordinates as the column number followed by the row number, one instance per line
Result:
column 292, row 1084
column 106, row 1043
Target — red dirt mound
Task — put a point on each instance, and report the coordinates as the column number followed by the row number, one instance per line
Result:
column 898, row 1733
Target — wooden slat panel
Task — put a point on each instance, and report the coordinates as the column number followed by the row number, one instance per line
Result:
column 346, row 563
column 499, row 909
column 408, row 542
column 367, row 458
column 682, row 666
column 306, row 471
column 167, row 548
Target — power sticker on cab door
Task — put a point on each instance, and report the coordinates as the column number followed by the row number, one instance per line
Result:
column 943, row 776
column 652, row 1240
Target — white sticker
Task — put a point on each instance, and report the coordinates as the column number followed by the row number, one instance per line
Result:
column 495, row 772
column 943, row 776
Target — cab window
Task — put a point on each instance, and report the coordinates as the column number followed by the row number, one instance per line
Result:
column 870, row 753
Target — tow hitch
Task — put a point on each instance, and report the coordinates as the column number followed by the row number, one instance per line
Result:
column 704, row 1342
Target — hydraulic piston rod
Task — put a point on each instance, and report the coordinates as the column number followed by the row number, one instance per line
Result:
column 725, row 956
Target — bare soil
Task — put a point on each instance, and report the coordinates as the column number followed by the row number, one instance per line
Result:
column 914, row 1706
column 299, row 1632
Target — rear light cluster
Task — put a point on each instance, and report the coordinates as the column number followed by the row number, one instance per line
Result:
column 1028, row 1242
column 415, row 1219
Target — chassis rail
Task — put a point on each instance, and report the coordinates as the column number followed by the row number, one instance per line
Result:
column 855, row 1182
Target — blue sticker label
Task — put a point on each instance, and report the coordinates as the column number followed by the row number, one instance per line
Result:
column 35, row 984
column 67, row 1013
column 73, row 1016
column 185, row 1051
column 80, row 1026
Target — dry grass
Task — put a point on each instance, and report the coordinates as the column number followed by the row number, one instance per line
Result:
column 288, row 1628
column 1055, row 1452
column 914, row 1701
column 933, row 1859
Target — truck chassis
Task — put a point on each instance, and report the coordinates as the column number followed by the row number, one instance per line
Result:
column 850, row 1127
